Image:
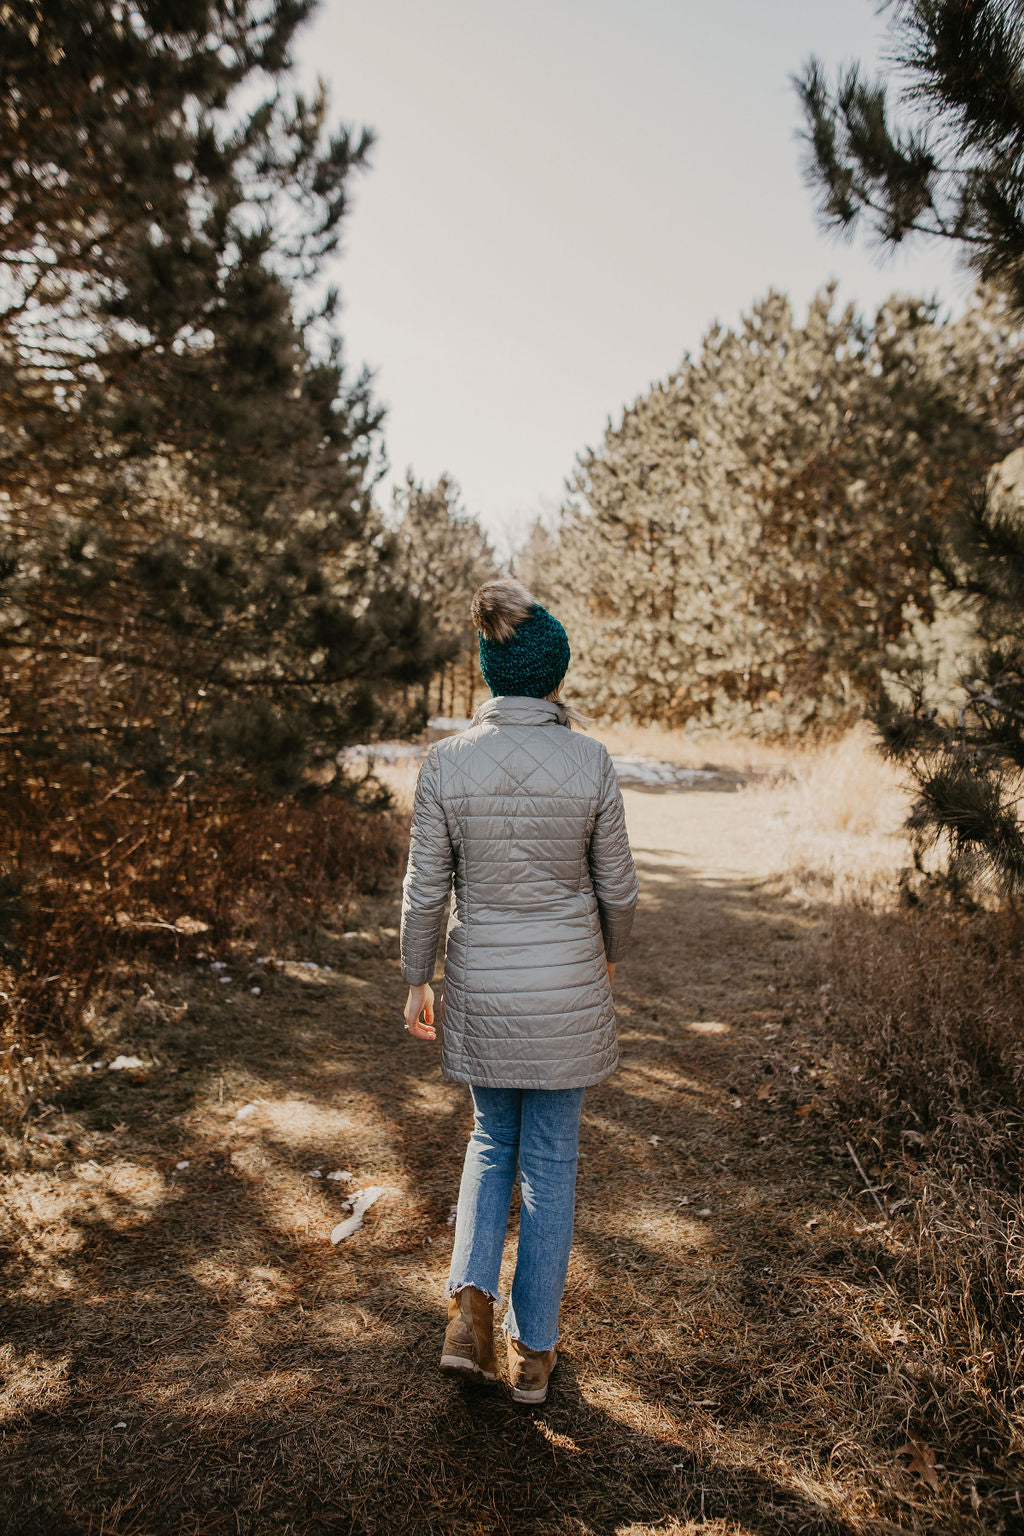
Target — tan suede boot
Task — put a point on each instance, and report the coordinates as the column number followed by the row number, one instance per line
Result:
column 528, row 1371
column 469, row 1338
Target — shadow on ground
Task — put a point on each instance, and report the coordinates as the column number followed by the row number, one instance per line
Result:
column 184, row 1351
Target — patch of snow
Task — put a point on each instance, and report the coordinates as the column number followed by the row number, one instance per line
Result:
column 705, row 1212
column 224, row 978
column 649, row 770
column 315, row 1173
column 654, row 1140
column 256, row 991
column 183, row 1164
column 381, row 751
column 245, row 1111
column 361, row 1202
column 263, row 959
column 448, row 722
column 121, row 1424
column 218, row 965
column 451, row 1216
column 340, row 1173
column 125, row 1064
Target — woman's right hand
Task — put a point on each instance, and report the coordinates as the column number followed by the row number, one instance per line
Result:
column 420, row 1001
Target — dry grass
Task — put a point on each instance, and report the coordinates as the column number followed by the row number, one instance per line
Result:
column 830, row 820
column 919, row 1016
column 921, row 1022
column 693, row 749
column 400, row 779
column 95, row 873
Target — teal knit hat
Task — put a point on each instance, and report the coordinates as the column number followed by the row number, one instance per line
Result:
column 532, row 661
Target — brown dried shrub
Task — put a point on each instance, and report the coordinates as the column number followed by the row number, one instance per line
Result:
column 926, row 1011
column 94, row 873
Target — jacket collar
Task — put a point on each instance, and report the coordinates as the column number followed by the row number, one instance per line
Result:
column 518, row 709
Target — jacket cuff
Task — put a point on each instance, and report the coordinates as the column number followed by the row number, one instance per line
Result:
column 615, row 932
column 417, row 975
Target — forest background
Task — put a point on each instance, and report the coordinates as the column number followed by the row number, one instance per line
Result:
column 814, row 518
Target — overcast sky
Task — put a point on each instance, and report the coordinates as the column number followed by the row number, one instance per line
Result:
column 563, row 196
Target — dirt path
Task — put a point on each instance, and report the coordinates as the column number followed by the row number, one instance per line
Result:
column 184, row 1350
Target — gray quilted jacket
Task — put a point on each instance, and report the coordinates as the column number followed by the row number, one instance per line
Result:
column 527, row 816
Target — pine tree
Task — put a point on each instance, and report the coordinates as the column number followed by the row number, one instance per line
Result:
column 443, row 555
column 191, row 569
column 742, row 547
column 534, row 562
column 949, row 164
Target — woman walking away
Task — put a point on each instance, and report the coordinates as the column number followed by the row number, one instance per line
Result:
column 527, row 815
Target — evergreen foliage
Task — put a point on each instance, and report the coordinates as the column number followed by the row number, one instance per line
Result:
column 534, row 564
column 952, row 169
column 443, row 555
column 191, row 571
column 745, row 545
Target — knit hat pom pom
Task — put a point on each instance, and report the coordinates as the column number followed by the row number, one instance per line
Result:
column 499, row 607
column 523, row 648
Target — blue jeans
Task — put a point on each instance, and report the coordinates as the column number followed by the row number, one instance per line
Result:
column 540, row 1127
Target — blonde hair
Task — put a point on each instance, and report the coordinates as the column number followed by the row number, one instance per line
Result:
column 499, row 607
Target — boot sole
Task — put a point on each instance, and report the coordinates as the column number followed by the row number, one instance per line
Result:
column 533, row 1394
column 456, row 1365
column 529, row 1394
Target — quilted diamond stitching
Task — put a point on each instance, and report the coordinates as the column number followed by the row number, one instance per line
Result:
column 562, row 787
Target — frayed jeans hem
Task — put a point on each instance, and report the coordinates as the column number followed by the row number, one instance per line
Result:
column 510, row 1334
column 455, row 1286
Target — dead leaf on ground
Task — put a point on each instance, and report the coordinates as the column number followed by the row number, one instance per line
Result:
column 922, row 1460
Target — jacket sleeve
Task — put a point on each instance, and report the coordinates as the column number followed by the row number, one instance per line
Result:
column 428, row 877
column 612, row 870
